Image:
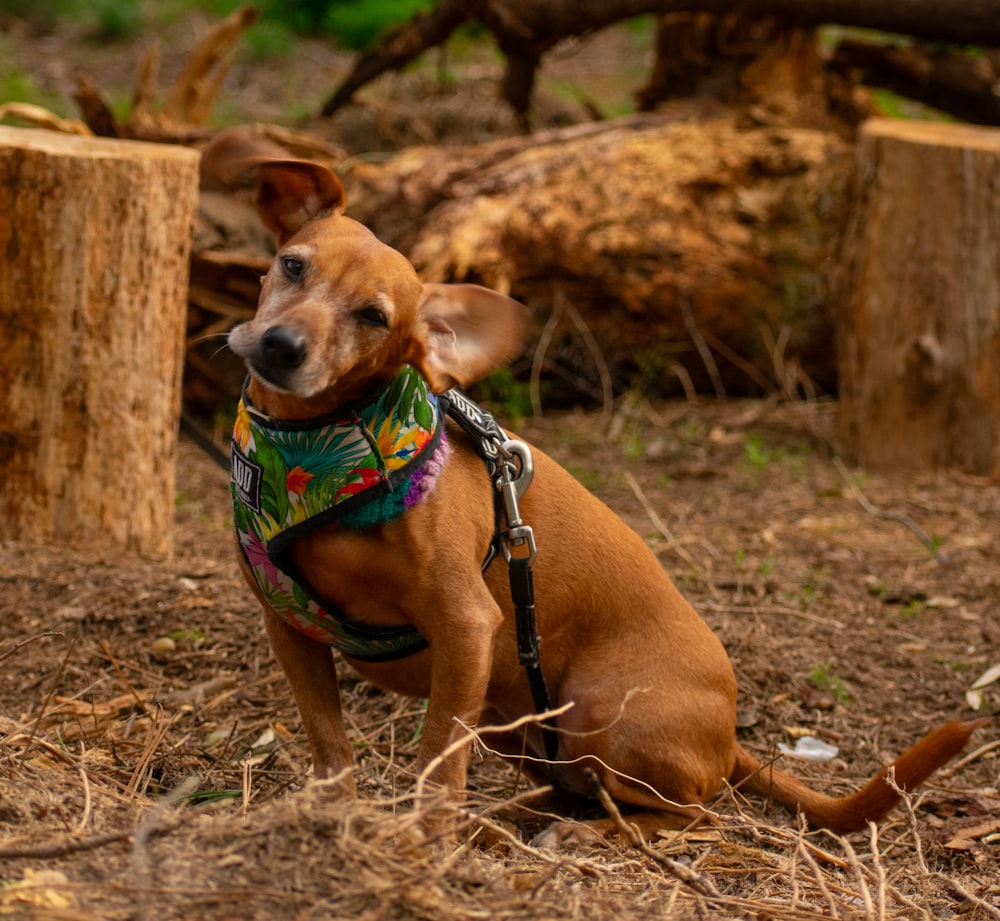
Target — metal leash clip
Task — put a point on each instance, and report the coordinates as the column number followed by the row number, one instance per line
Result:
column 515, row 470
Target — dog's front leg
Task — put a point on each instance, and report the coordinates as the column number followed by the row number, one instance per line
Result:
column 312, row 674
column 461, row 661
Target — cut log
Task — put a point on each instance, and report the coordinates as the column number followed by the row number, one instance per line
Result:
column 918, row 300
column 96, row 237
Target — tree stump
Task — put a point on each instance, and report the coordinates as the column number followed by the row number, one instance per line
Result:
column 95, row 239
column 919, row 300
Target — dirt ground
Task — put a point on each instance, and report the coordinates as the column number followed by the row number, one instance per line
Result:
column 152, row 763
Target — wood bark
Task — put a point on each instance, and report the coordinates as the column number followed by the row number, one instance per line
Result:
column 96, row 238
column 919, row 300
column 666, row 241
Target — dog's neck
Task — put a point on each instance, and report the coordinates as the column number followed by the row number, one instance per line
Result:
column 324, row 469
column 355, row 468
column 288, row 407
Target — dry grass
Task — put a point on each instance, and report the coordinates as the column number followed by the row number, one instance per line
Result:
column 140, row 781
column 80, row 845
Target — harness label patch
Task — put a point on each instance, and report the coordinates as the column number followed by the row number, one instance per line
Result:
column 467, row 408
column 246, row 479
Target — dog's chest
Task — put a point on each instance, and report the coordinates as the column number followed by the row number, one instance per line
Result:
column 355, row 471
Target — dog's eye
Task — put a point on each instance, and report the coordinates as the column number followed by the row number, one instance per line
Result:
column 372, row 316
column 292, row 268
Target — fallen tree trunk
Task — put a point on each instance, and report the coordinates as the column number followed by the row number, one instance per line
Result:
column 537, row 21
column 960, row 84
column 526, row 29
column 687, row 249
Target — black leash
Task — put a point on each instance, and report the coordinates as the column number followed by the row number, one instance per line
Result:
column 510, row 467
column 205, row 441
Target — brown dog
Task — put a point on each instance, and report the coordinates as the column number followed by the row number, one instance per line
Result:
column 341, row 318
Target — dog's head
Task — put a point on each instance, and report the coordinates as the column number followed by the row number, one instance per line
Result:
column 340, row 312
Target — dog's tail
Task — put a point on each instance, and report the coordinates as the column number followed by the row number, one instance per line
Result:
column 871, row 803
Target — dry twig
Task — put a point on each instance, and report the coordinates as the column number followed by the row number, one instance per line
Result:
column 903, row 519
column 699, row 343
column 701, row 885
column 48, row 699
column 672, row 542
column 31, row 639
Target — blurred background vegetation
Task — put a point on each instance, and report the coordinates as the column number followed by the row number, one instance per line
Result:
column 346, row 26
column 351, row 24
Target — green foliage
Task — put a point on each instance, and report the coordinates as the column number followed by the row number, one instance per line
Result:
column 418, row 730
column 692, row 432
column 42, row 15
column 359, row 24
column 767, row 567
column 757, row 453
column 654, row 367
column 935, row 545
column 353, row 24
column 633, row 446
column 956, row 665
column 590, row 478
column 506, row 391
column 189, row 635
column 877, row 588
column 912, row 608
column 760, row 456
column 815, row 585
column 115, row 20
column 269, row 39
column 111, row 20
column 892, row 105
column 831, row 683
column 16, row 86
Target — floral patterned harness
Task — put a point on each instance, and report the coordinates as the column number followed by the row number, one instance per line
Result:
column 354, row 469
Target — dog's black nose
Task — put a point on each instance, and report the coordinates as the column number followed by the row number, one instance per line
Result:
column 283, row 349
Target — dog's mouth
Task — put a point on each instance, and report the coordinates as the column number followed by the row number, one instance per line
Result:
column 282, row 381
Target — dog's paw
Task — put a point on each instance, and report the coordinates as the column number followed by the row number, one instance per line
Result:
column 567, row 834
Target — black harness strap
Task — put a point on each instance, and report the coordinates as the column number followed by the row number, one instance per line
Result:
column 489, row 440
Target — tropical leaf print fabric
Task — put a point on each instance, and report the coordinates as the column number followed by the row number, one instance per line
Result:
column 359, row 470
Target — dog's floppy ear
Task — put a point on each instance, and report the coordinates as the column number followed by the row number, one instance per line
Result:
column 464, row 332
column 292, row 192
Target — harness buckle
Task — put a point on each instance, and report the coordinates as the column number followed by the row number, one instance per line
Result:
column 515, row 470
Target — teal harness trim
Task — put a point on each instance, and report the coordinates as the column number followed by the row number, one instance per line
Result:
column 355, row 469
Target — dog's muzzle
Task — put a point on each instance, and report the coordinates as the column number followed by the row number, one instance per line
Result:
column 282, row 348
column 279, row 354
